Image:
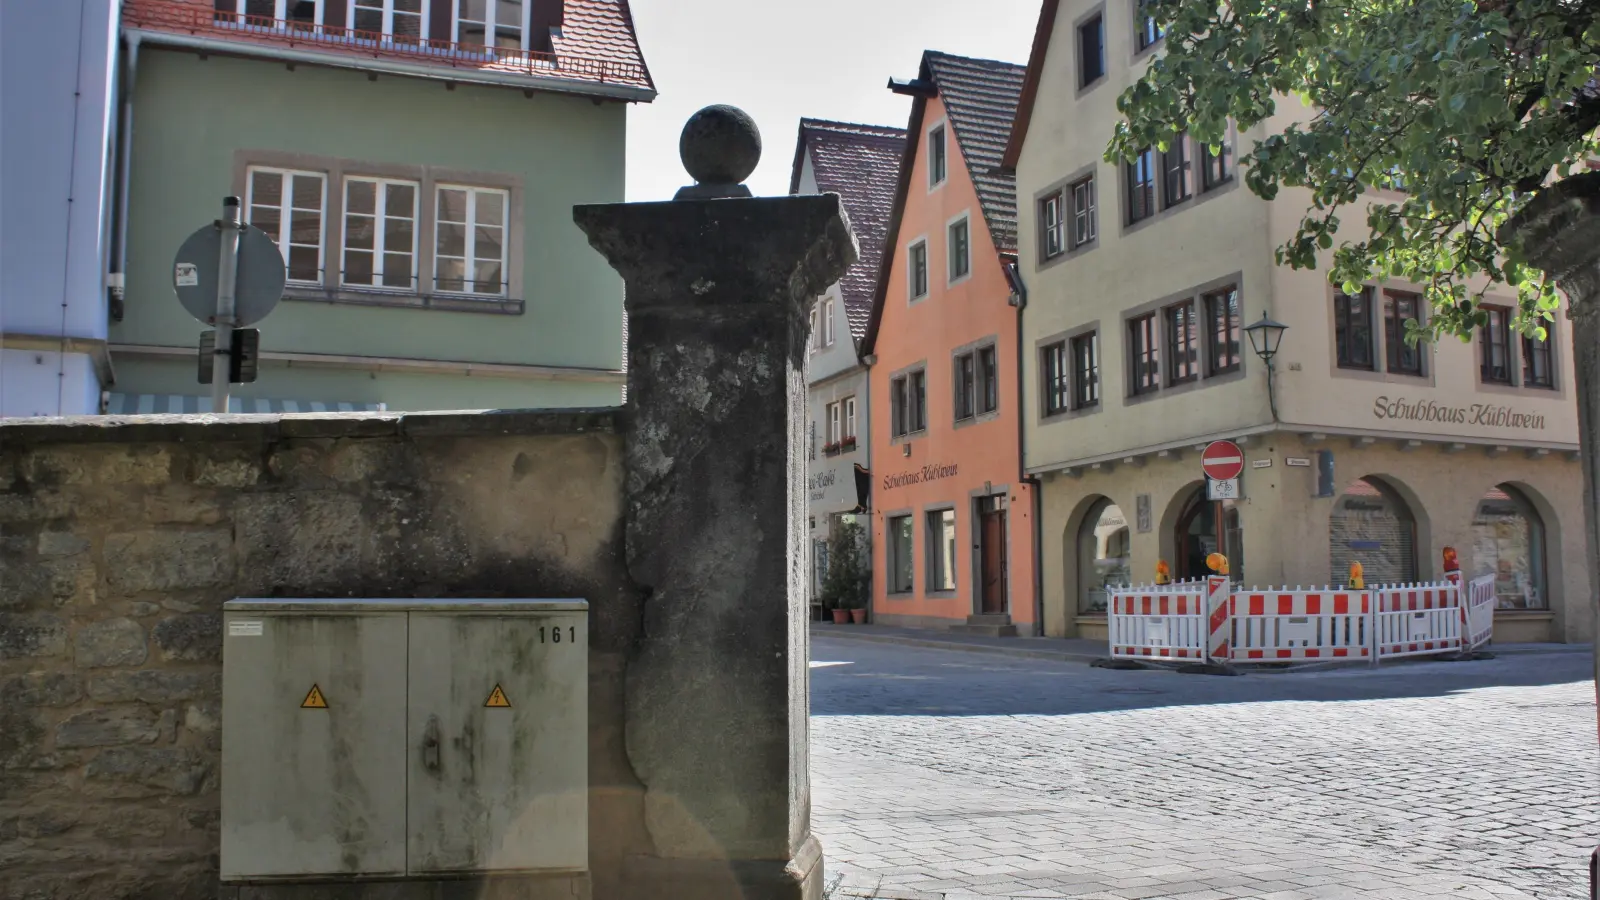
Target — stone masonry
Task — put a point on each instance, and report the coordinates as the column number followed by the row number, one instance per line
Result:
column 120, row 540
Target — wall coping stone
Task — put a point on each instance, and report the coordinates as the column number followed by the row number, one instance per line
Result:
column 263, row 429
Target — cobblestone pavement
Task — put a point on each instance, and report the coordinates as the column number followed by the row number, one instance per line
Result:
column 946, row 774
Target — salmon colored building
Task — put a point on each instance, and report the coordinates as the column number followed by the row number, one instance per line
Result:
column 952, row 518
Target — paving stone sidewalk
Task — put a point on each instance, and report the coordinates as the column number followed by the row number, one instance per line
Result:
column 945, row 775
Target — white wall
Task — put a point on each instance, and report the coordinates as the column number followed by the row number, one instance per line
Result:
column 45, row 383
column 54, row 147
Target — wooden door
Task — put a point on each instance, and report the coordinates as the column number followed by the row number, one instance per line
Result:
column 992, row 554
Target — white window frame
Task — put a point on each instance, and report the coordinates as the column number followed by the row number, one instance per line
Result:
column 951, row 279
column 835, row 416
column 472, row 238
column 490, row 8
column 1054, row 231
column 1089, row 214
column 280, row 11
column 286, row 214
column 941, row 128
column 380, row 212
column 911, row 270
column 388, row 17
column 827, row 323
column 849, row 418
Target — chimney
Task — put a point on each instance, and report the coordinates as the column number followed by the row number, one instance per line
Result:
column 546, row 18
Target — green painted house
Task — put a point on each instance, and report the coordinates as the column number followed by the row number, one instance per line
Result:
column 416, row 161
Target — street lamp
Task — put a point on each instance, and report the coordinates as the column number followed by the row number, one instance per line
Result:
column 1265, row 336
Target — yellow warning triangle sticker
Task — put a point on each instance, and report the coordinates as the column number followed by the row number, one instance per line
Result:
column 314, row 699
column 497, row 699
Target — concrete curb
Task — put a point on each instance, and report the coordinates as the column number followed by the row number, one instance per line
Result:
column 934, row 643
column 1027, row 652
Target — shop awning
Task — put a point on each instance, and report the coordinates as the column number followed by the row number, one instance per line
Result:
column 178, row 404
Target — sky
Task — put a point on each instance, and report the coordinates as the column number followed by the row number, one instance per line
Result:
column 779, row 60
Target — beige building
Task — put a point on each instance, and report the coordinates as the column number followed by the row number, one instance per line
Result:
column 1141, row 279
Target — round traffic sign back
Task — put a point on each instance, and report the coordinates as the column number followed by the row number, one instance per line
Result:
column 261, row 274
column 1222, row 460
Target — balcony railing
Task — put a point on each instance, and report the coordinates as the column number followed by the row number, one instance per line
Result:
column 188, row 18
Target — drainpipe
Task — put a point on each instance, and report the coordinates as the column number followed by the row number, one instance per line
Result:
column 1019, row 299
column 116, row 279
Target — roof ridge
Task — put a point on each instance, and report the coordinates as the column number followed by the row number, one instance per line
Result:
column 806, row 121
column 977, row 59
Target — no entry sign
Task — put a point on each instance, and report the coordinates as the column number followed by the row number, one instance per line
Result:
column 1222, row 460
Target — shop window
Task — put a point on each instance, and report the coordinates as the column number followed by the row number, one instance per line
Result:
column 1372, row 525
column 1508, row 542
column 900, row 561
column 1104, row 556
column 942, row 550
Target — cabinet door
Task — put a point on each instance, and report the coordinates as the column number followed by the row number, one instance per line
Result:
column 313, row 788
column 498, row 781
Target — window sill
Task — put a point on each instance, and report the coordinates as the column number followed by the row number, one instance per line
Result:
column 908, row 436
column 1525, row 615
column 398, row 300
column 1069, row 414
column 942, row 595
column 900, row 595
column 1050, row 262
column 1088, row 86
column 978, row 419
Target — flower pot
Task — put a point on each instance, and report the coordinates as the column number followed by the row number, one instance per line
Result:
column 859, row 616
column 841, row 617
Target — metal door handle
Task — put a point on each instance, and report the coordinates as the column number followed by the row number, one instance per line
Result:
column 430, row 745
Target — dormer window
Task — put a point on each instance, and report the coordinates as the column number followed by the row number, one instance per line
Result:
column 400, row 20
column 492, row 23
column 269, row 13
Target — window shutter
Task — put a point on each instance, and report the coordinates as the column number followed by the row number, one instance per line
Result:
column 441, row 20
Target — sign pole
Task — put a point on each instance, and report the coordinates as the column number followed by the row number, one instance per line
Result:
column 227, row 283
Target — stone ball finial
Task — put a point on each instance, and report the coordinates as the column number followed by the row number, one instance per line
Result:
column 720, row 147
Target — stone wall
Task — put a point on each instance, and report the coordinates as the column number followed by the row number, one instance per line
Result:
column 119, row 541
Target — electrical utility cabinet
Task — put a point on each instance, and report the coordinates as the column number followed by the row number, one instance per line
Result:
column 404, row 739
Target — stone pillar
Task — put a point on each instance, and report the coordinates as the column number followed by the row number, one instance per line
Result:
column 719, row 289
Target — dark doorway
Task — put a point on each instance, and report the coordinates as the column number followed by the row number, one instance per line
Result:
column 992, row 554
column 1195, row 538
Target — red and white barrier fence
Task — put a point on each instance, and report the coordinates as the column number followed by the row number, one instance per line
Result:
column 1273, row 625
column 1158, row 621
column 1478, row 612
column 1216, row 621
